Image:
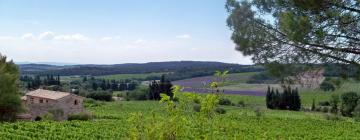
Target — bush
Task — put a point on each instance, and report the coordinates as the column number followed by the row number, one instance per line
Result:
column 324, row 103
column 197, row 108
column 57, row 114
column 241, row 103
column 47, row 117
column 325, row 109
column 100, row 95
column 258, row 112
column 224, row 101
column 318, row 109
column 220, row 110
column 332, row 117
column 89, row 102
column 175, row 99
column 196, row 100
column 140, row 93
column 356, row 113
column 334, row 101
column 38, row 118
column 84, row 116
column 327, row 86
column 349, row 102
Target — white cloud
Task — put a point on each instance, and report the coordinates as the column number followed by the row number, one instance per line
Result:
column 7, row 38
column 73, row 37
column 140, row 41
column 28, row 36
column 46, row 35
column 117, row 37
column 106, row 39
column 184, row 36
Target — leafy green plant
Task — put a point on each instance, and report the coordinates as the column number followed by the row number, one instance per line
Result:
column 83, row 116
column 224, row 101
column 220, row 110
column 241, row 103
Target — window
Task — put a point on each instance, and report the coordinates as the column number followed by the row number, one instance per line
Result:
column 32, row 100
column 75, row 102
column 41, row 101
column 46, row 101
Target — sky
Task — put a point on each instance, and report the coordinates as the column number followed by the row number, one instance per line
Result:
column 116, row 31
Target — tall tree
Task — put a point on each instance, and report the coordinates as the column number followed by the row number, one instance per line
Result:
column 10, row 103
column 163, row 86
column 297, row 31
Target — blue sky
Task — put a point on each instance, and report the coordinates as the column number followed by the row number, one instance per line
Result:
column 116, row 31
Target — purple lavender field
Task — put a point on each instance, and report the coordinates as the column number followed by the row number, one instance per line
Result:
column 201, row 84
column 235, row 92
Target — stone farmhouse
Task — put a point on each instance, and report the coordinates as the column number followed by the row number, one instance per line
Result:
column 60, row 104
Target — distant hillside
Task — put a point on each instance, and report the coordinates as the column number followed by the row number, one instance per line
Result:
column 194, row 68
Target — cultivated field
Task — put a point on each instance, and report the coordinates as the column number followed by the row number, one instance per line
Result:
column 112, row 122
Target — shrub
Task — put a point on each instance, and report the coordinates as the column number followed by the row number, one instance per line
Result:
column 332, row 117
column 47, row 117
column 100, row 95
column 325, row 109
column 196, row 100
column 258, row 112
column 220, row 110
column 356, row 113
column 38, row 118
column 89, row 102
column 197, row 108
column 140, row 93
column 324, row 103
column 175, row 99
column 84, row 116
column 318, row 109
column 334, row 101
column 57, row 114
column 349, row 102
column 313, row 107
column 327, row 86
column 241, row 103
column 224, row 101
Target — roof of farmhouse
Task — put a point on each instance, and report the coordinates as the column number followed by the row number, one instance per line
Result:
column 47, row 94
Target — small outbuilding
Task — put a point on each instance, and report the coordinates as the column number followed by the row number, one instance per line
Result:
column 60, row 104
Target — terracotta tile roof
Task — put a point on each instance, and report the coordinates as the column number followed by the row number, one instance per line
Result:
column 47, row 94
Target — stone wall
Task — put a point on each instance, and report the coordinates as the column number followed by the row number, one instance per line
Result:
column 62, row 107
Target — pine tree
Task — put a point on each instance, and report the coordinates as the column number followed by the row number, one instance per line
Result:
column 10, row 102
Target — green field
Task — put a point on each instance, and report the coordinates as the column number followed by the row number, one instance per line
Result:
column 238, row 123
column 152, row 120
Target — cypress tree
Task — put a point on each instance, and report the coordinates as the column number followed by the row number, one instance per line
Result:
column 313, row 107
column 276, row 99
column 269, row 98
column 297, row 100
